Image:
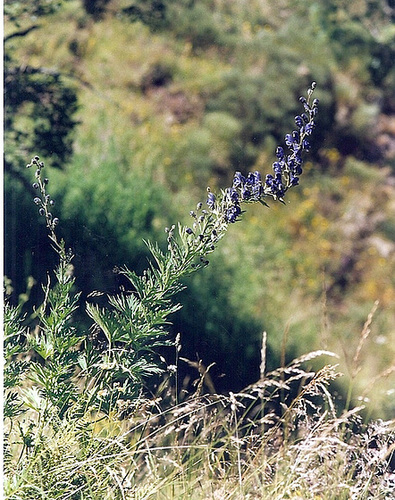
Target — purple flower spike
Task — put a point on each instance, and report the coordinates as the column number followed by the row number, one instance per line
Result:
column 286, row 169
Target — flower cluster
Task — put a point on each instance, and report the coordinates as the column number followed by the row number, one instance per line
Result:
column 44, row 200
column 243, row 189
column 287, row 169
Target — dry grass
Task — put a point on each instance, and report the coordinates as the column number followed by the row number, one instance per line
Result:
column 282, row 438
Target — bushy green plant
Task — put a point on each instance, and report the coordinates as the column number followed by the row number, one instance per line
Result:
column 79, row 426
column 64, row 360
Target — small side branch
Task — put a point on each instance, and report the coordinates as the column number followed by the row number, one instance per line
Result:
column 21, row 33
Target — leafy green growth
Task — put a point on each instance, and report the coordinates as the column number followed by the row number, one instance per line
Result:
column 134, row 323
column 79, row 425
column 39, row 111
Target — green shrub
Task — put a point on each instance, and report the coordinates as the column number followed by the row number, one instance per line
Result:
column 79, row 425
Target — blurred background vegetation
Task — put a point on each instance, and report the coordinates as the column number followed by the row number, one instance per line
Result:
column 137, row 106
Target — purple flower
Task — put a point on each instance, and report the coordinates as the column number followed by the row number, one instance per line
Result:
column 278, row 167
column 238, row 180
column 299, row 121
column 232, row 213
column 211, row 200
column 246, row 194
column 280, row 153
column 294, row 180
column 232, row 195
column 246, row 188
column 289, row 140
column 309, row 128
column 275, row 186
column 286, row 169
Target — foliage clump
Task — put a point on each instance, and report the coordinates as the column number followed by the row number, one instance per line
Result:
column 80, row 424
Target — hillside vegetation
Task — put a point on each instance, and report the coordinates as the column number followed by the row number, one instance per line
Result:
column 193, row 327
column 172, row 97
